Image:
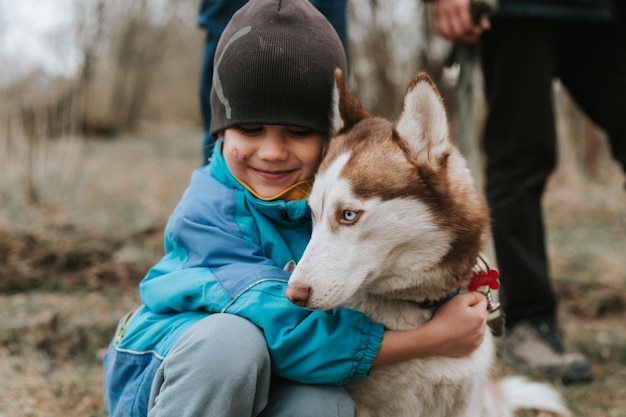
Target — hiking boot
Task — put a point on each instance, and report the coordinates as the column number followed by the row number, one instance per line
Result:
column 536, row 348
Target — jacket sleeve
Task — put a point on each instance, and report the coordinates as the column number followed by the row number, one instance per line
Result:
column 312, row 347
column 211, row 266
column 208, row 259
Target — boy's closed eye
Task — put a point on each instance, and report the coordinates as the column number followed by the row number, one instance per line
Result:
column 299, row 131
column 250, row 130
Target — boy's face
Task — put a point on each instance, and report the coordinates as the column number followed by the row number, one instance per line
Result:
column 271, row 158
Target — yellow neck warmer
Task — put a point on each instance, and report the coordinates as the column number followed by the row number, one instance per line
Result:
column 298, row 191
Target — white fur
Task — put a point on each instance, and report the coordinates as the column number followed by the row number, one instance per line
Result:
column 428, row 132
column 364, row 255
column 383, row 257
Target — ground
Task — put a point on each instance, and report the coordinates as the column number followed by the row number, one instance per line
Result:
column 69, row 269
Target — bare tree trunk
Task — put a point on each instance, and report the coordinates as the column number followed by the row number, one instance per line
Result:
column 140, row 52
column 149, row 58
column 90, row 45
column 31, row 126
column 126, row 63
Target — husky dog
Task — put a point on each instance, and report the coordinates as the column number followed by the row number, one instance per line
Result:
column 398, row 223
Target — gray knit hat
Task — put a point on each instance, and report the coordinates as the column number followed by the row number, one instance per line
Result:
column 274, row 64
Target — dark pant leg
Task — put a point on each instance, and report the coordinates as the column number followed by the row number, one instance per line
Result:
column 596, row 77
column 520, row 146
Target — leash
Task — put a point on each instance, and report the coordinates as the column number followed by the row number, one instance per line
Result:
column 485, row 279
column 429, row 304
column 467, row 57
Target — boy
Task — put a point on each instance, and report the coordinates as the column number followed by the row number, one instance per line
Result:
column 215, row 335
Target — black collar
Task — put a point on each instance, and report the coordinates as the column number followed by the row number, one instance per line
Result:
column 430, row 304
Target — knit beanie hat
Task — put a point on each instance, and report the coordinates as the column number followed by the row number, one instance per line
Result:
column 274, row 65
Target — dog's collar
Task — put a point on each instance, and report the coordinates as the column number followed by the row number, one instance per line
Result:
column 429, row 304
column 484, row 279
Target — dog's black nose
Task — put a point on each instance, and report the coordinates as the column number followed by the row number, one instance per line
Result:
column 298, row 294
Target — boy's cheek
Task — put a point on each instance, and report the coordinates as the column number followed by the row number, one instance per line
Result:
column 233, row 153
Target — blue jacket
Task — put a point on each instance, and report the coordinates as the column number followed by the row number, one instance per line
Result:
column 224, row 252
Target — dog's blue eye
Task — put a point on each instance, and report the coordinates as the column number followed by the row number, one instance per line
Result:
column 350, row 215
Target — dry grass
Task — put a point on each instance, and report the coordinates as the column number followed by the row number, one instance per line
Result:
column 69, row 269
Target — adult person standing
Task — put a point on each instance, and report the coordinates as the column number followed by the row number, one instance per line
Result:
column 213, row 17
column 524, row 48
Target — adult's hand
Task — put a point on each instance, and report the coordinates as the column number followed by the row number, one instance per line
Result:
column 452, row 19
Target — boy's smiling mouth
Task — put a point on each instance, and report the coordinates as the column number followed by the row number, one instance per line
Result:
column 273, row 175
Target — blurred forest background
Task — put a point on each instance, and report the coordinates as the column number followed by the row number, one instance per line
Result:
column 124, row 67
column 99, row 135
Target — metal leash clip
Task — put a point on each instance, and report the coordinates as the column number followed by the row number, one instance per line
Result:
column 485, row 280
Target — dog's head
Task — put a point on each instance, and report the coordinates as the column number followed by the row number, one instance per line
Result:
column 395, row 211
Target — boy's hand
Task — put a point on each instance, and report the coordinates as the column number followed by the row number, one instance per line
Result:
column 461, row 324
column 457, row 329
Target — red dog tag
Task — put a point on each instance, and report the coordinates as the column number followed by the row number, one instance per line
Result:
column 490, row 279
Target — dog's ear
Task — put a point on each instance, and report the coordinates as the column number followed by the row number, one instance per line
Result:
column 423, row 123
column 347, row 109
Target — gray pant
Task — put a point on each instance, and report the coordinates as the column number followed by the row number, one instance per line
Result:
column 221, row 367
